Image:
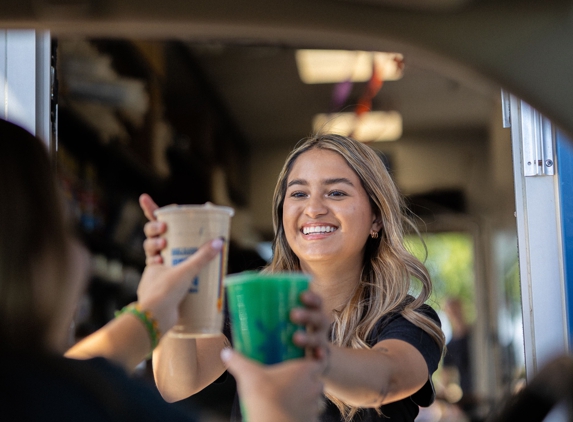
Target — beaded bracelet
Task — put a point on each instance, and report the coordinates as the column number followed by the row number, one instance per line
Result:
column 147, row 319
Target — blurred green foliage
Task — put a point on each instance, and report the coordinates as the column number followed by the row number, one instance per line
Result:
column 450, row 262
column 512, row 286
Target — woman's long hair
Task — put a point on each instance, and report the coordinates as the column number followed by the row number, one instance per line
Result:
column 33, row 241
column 389, row 268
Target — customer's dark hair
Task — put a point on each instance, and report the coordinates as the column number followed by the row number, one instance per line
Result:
column 33, row 240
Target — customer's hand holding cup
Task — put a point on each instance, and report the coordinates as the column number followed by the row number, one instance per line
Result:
column 269, row 314
column 177, row 231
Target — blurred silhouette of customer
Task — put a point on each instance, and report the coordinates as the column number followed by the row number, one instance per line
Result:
column 550, row 388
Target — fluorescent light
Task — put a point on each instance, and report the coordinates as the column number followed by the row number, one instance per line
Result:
column 332, row 66
column 373, row 126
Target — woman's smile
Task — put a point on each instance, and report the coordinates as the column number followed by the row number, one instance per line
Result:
column 312, row 231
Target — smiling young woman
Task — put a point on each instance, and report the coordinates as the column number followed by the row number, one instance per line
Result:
column 339, row 216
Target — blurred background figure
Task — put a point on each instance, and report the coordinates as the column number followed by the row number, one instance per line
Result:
column 457, row 376
column 456, row 400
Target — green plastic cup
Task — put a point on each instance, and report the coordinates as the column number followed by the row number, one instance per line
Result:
column 259, row 307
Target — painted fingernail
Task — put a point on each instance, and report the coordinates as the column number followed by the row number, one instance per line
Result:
column 217, row 244
column 226, row 354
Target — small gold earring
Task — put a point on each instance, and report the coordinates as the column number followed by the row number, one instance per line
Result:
column 374, row 234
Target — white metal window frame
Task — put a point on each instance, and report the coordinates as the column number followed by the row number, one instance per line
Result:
column 539, row 234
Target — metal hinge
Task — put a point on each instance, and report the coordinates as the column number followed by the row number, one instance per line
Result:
column 537, row 137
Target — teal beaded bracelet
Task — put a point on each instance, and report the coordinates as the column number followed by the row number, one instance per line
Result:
column 148, row 321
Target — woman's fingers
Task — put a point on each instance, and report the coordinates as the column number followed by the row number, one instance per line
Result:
column 311, row 300
column 152, row 260
column 148, row 206
column 154, row 228
column 153, row 246
column 315, row 338
column 311, row 317
column 312, row 313
column 306, row 339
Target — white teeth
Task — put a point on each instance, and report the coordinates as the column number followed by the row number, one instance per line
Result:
column 318, row 229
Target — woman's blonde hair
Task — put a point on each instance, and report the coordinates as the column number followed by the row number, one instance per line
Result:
column 389, row 268
column 33, row 241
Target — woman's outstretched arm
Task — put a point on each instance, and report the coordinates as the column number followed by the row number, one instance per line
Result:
column 391, row 370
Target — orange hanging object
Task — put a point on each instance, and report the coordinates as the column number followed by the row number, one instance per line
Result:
column 374, row 85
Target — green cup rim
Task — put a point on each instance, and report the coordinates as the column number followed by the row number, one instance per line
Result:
column 246, row 277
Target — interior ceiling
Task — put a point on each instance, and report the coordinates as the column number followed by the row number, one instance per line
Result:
column 272, row 107
column 523, row 45
column 439, row 5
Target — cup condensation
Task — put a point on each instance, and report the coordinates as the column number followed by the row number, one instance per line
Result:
column 189, row 227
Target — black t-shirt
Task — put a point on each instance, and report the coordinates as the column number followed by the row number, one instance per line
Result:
column 395, row 326
column 52, row 388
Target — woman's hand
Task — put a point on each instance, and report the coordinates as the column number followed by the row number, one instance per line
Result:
column 315, row 338
column 286, row 392
column 153, row 230
column 162, row 288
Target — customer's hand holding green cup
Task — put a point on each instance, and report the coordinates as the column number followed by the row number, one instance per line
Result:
column 275, row 317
